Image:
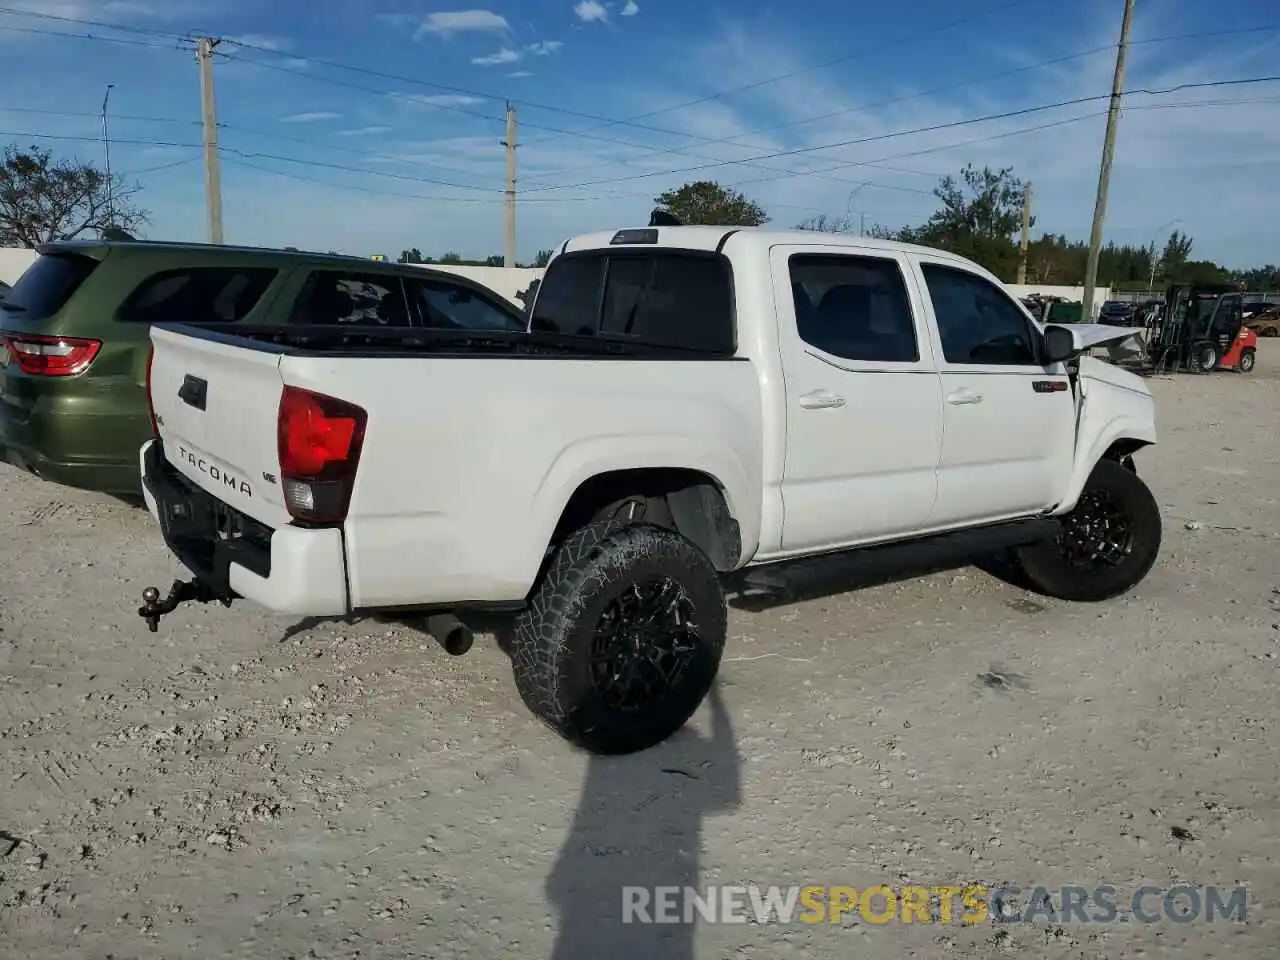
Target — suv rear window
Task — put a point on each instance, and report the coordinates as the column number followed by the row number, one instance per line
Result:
column 197, row 295
column 681, row 299
column 46, row 286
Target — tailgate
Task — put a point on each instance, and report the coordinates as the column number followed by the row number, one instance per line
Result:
column 216, row 401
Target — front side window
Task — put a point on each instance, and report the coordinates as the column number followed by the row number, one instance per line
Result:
column 977, row 322
column 334, row 298
column 442, row 305
column 197, row 295
column 853, row 307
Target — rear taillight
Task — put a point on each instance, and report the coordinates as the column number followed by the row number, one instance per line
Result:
column 151, row 406
column 50, row 356
column 319, row 440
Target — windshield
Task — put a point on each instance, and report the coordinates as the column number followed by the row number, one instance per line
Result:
column 47, row 285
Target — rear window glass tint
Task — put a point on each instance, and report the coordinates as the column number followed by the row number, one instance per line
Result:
column 663, row 299
column 47, row 285
column 569, row 296
column 197, row 295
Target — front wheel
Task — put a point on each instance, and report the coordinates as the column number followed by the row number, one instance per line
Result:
column 1246, row 361
column 622, row 639
column 1107, row 544
column 1205, row 358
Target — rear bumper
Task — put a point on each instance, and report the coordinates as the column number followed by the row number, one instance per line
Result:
column 64, row 444
column 288, row 570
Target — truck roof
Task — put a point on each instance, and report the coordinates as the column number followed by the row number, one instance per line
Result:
column 714, row 238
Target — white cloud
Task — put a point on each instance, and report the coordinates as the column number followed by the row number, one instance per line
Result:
column 631, row 9
column 520, row 74
column 591, row 10
column 440, row 99
column 263, row 42
column 314, row 117
column 1222, row 191
column 505, row 55
column 364, row 132
column 446, row 24
column 545, row 48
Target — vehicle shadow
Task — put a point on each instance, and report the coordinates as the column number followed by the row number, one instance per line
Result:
column 638, row 826
column 757, row 599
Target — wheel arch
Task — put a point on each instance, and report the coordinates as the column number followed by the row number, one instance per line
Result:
column 690, row 501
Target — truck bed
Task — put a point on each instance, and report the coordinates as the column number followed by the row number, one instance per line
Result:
column 474, row 442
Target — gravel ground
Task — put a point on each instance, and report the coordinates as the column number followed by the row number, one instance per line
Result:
column 242, row 785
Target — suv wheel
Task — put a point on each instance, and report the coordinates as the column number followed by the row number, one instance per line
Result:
column 622, row 638
column 1107, row 544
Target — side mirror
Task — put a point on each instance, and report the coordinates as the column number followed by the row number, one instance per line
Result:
column 1060, row 343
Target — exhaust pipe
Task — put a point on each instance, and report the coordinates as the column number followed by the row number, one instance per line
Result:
column 451, row 633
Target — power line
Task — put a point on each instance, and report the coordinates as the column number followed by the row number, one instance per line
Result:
column 932, row 128
column 472, row 113
column 943, row 88
column 244, row 158
column 126, row 41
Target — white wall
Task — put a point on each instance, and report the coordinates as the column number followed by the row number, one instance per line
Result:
column 1067, row 293
column 507, row 281
column 13, row 261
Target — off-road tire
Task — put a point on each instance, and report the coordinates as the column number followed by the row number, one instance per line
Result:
column 551, row 650
column 1247, row 360
column 1047, row 566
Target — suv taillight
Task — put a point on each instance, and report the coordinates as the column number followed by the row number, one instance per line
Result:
column 50, row 356
column 319, row 440
column 151, row 406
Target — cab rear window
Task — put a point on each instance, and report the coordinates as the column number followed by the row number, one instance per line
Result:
column 661, row 298
column 46, row 286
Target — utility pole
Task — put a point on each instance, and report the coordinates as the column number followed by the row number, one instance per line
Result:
column 106, row 146
column 1104, row 172
column 509, row 256
column 212, row 173
column 1026, row 234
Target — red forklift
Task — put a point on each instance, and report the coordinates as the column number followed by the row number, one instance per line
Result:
column 1201, row 329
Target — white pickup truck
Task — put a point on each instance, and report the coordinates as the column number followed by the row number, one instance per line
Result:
column 691, row 408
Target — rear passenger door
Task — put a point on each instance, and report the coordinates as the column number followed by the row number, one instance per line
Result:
column 1009, row 431
column 863, row 398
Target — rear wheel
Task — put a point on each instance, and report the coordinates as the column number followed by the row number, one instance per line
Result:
column 622, row 639
column 1107, row 544
column 1246, row 361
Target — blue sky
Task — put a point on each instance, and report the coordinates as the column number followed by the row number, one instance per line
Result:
column 408, row 153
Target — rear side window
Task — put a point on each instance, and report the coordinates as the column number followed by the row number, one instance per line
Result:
column 197, row 295
column 663, row 299
column 332, row 298
column 854, row 307
column 46, row 286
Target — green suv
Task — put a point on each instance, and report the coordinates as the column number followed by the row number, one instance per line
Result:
column 74, row 333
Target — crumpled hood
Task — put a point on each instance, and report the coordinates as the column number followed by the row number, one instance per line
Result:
column 1091, row 368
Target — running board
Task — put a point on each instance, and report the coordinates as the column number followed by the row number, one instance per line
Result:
column 954, row 548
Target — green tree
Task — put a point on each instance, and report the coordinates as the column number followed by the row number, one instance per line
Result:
column 706, row 202
column 544, row 257
column 451, row 258
column 43, row 199
column 825, row 223
column 410, row 256
column 980, row 213
column 1177, row 251
column 497, row 260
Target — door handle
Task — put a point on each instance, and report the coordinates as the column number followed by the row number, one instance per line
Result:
column 961, row 397
column 821, row 400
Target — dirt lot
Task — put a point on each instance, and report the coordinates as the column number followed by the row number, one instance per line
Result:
column 241, row 785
